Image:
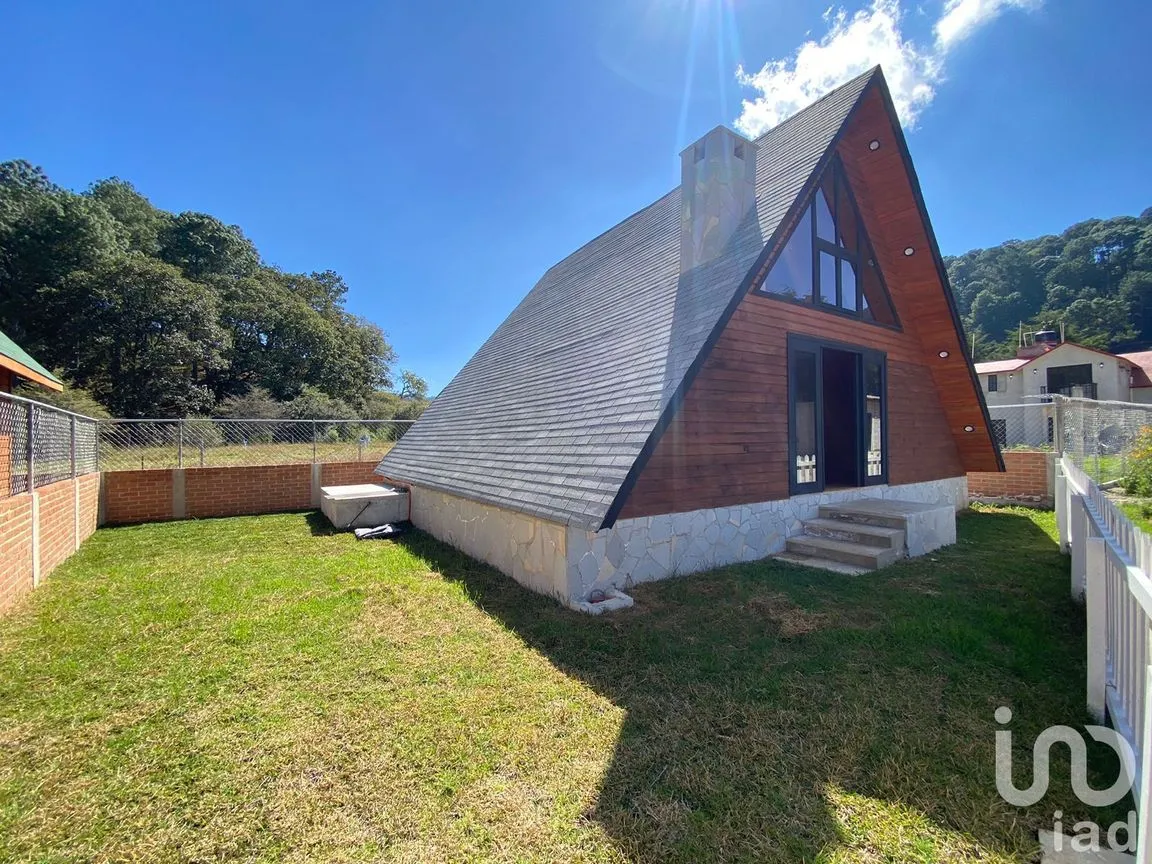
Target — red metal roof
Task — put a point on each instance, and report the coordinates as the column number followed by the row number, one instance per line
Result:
column 992, row 367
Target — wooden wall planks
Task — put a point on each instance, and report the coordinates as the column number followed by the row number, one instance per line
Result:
column 719, row 450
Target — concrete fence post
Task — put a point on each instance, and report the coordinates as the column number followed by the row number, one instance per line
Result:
column 1095, row 599
column 1078, row 529
column 72, row 445
column 179, row 443
column 1098, row 478
column 179, row 494
column 317, row 483
column 314, row 430
column 1058, row 426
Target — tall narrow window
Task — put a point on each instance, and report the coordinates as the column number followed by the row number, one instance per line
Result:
column 993, row 383
column 805, row 388
column 874, row 418
column 828, row 260
column 827, row 276
column 825, row 224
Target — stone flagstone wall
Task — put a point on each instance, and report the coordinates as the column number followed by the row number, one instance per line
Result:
column 658, row 547
column 529, row 549
column 570, row 563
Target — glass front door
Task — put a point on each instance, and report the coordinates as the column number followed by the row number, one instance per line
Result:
column 837, row 407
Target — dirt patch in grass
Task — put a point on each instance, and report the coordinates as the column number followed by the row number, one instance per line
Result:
column 789, row 619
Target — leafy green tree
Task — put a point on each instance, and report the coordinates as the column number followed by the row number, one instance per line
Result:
column 256, row 404
column 1095, row 277
column 412, row 386
column 163, row 314
column 998, row 311
column 1099, row 322
column 152, row 337
column 139, row 222
column 51, row 235
column 71, row 398
column 202, row 245
column 313, row 404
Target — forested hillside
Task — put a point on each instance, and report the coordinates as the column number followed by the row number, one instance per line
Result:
column 158, row 314
column 1096, row 278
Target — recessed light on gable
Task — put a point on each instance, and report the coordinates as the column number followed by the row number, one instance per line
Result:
column 908, row 251
column 969, row 428
column 943, row 355
column 873, row 144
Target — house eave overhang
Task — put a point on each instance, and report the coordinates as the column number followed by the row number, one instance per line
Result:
column 30, row 374
column 938, row 260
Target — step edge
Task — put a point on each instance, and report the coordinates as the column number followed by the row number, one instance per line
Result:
column 872, row 557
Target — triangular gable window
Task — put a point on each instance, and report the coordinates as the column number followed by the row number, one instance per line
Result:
column 828, row 260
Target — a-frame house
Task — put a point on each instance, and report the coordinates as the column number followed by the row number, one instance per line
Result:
column 770, row 347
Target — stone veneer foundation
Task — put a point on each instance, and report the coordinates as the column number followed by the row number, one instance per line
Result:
column 531, row 550
column 570, row 563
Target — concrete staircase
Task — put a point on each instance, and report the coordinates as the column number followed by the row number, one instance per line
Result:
column 848, row 538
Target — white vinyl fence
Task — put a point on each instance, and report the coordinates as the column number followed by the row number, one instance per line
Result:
column 1111, row 562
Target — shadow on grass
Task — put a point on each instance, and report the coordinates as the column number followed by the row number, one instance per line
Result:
column 319, row 525
column 775, row 711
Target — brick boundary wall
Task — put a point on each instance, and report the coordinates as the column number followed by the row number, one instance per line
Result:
column 162, row 494
column 246, row 491
column 135, row 496
column 40, row 530
column 1028, row 478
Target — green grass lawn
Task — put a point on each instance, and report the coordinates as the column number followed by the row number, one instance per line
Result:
column 129, row 458
column 259, row 689
column 1139, row 511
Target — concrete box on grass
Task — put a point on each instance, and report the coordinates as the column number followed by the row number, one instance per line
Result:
column 363, row 506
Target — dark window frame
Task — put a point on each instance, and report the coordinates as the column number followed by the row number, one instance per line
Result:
column 993, row 383
column 863, row 256
column 798, row 342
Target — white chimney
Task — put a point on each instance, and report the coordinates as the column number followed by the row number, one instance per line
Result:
column 718, row 188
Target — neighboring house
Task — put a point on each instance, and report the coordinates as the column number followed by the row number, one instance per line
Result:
column 1141, row 367
column 18, row 365
column 774, row 335
column 1043, row 366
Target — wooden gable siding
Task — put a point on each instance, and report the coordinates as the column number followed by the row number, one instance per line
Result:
column 892, row 218
column 728, row 443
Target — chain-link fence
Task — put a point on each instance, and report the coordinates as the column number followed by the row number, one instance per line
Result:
column 1027, row 426
column 1101, row 437
column 216, row 442
column 40, row 444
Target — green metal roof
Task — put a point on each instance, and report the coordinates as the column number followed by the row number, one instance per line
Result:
column 11, row 350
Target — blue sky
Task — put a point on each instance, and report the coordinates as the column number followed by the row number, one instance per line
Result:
column 442, row 155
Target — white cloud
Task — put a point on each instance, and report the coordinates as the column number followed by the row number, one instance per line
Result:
column 856, row 43
column 961, row 18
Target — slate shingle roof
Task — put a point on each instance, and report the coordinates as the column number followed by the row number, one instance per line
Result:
column 551, row 413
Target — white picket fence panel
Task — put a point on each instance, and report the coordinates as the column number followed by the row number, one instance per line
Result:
column 1111, row 561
